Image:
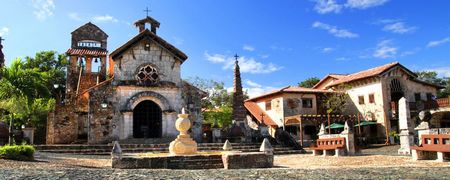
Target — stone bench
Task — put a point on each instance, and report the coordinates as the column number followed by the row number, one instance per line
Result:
column 329, row 144
column 433, row 143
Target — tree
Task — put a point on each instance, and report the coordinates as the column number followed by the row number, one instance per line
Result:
column 217, row 106
column 309, row 83
column 432, row 77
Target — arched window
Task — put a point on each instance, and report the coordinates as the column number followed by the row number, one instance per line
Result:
column 147, row 76
column 396, row 86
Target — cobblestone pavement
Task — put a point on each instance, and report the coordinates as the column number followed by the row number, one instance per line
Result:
column 379, row 163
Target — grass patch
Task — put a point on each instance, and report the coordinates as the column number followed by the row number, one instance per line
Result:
column 17, row 152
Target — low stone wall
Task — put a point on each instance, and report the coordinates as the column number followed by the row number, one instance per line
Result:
column 214, row 161
column 247, row 160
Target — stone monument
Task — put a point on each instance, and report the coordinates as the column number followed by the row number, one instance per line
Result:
column 406, row 133
column 183, row 144
column 349, row 139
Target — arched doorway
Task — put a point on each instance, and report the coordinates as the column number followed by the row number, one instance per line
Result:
column 396, row 94
column 147, row 120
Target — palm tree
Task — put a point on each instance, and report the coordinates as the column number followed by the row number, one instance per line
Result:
column 19, row 87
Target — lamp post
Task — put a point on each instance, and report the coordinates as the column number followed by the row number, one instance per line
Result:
column 11, row 133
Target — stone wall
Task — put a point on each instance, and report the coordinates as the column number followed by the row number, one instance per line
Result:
column 101, row 124
column 166, row 63
column 62, row 125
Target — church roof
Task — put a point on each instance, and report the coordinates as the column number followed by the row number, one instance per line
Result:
column 148, row 34
column 89, row 26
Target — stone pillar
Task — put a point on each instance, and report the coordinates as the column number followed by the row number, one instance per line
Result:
column 349, row 139
column 216, row 133
column 406, row 134
column 422, row 128
column 239, row 112
column 127, row 126
column 321, row 131
column 29, row 133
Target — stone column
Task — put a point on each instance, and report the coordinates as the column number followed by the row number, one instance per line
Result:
column 216, row 133
column 29, row 133
column 127, row 125
column 349, row 139
column 406, row 134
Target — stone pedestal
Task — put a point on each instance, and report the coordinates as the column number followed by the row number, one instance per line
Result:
column 406, row 133
column 349, row 139
column 183, row 144
column 29, row 133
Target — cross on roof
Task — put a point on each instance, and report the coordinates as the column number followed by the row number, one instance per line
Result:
column 146, row 10
column 1, row 39
column 236, row 57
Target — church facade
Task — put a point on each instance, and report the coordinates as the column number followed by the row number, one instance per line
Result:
column 136, row 100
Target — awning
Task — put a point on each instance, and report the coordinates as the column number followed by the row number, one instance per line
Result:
column 366, row 123
column 335, row 126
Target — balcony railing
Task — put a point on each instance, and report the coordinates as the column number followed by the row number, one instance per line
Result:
column 433, row 104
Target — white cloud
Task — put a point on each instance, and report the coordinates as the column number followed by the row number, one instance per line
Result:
column 364, row 4
column 215, row 58
column 327, row 6
column 252, row 84
column 105, row 18
column 4, row 31
column 247, row 65
column 438, row 42
column 264, row 56
column 340, row 33
column 74, row 16
column 442, row 71
column 43, row 8
column 327, row 50
column 399, row 28
column 178, row 41
column 342, row 59
column 274, row 47
column 385, row 49
column 248, row 48
column 336, row 6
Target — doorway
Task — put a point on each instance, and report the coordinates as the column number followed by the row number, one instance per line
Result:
column 147, row 120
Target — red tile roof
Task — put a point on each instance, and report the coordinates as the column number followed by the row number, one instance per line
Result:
column 365, row 74
column 89, row 52
column 256, row 112
column 334, row 76
column 290, row 89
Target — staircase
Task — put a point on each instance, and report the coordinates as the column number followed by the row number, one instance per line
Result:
column 105, row 149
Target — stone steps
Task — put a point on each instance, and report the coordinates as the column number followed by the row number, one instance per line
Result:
column 162, row 148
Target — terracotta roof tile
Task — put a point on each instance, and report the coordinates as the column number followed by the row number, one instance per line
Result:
column 90, row 52
column 256, row 112
column 364, row 74
column 290, row 89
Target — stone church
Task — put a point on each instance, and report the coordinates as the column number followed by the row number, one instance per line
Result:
column 132, row 94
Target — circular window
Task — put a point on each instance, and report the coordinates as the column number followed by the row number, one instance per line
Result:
column 147, row 76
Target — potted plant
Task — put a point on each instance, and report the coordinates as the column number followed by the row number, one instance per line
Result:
column 394, row 137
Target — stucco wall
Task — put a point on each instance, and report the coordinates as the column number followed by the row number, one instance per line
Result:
column 298, row 108
column 367, row 109
column 276, row 112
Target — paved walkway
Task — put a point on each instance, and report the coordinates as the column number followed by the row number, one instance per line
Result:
column 380, row 163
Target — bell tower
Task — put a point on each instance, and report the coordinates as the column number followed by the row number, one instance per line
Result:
column 87, row 59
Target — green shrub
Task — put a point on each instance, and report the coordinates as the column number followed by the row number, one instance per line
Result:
column 17, row 152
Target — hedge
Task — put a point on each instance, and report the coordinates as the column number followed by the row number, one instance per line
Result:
column 17, row 152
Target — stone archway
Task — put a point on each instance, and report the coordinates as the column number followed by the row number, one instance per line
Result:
column 147, row 120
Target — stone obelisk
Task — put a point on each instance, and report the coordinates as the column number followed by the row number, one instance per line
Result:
column 238, row 96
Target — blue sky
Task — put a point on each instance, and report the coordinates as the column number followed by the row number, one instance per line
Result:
column 280, row 42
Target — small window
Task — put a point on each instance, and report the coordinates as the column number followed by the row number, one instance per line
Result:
column 372, row 98
column 307, row 102
column 268, row 105
column 361, row 99
column 417, row 97
column 429, row 97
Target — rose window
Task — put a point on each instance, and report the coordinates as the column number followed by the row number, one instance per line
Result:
column 147, row 75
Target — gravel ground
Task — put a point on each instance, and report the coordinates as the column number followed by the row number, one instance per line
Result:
column 374, row 163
